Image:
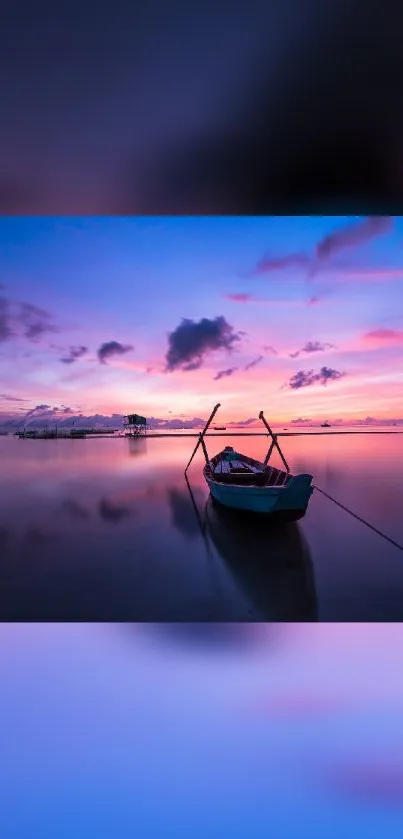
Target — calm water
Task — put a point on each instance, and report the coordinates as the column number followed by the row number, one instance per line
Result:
column 106, row 529
column 247, row 731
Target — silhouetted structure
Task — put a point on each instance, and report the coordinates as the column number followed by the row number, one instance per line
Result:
column 135, row 425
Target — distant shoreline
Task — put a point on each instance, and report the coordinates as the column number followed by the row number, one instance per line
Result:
column 154, row 435
column 235, row 434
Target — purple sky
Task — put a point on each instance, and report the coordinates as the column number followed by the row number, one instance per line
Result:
column 166, row 316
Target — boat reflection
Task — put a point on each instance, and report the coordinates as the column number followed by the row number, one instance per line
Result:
column 214, row 637
column 271, row 563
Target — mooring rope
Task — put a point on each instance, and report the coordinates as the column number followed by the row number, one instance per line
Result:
column 363, row 521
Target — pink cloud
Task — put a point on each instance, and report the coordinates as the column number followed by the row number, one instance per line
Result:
column 384, row 337
column 365, row 275
column 239, row 298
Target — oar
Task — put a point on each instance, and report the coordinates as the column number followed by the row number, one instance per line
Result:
column 202, row 433
column 274, row 443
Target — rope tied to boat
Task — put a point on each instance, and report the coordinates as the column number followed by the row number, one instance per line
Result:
column 363, row 521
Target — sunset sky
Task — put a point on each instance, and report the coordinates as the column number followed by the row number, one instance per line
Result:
column 300, row 316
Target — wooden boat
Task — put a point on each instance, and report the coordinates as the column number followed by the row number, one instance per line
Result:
column 242, row 483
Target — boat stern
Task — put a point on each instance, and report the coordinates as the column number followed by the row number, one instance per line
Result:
column 296, row 495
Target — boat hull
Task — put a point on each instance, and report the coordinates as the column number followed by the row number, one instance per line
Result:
column 287, row 503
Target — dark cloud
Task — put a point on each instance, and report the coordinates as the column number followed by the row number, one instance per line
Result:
column 8, row 398
column 312, row 346
column 172, row 424
column 34, row 321
column 74, row 354
column 300, row 420
column 268, row 348
column 112, row 348
column 223, row 373
column 39, row 409
column 253, row 363
column 244, row 422
column 6, row 331
column 353, row 235
column 269, row 263
column 309, row 377
column 191, row 340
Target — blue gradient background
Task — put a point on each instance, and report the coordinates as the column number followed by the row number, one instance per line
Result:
column 131, row 730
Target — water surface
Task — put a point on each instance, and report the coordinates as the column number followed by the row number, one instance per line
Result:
column 106, row 529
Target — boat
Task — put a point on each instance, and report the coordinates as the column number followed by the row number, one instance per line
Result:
column 220, row 428
column 325, row 425
column 242, row 483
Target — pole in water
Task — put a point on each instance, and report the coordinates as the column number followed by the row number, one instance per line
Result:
column 202, row 433
column 274, row 443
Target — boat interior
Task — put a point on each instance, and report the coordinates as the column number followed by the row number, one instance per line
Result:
column 231, row 467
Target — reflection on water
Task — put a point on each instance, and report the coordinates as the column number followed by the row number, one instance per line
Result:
column 107, row 529
column 215, row 638
column 271, row 562
column 112, row 730
column 109, row 511
column 184, row 517
column 137, row 446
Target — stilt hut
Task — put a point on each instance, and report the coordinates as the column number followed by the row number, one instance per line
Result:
column 135, row 425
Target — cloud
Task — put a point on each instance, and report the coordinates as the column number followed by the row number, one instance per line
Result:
column 190, row 341
column 223, row 373
column 34, row 321
column 172, row 424
column 309, row 377
column 313, row 300
column 300, row 420
column 74, row 354
column 268, row 348
column 244, row 422
column 6, row 331
column 111, row 348
column 8, row 398
column 353, row 235
column 268, row 264
column 253, row 363
column 384, row 337
column 239, row 298
column 312, row 346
